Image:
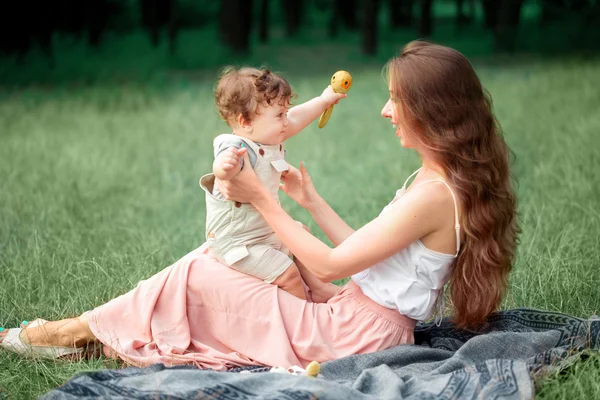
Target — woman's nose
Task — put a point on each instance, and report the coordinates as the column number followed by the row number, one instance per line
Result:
column 386, row 112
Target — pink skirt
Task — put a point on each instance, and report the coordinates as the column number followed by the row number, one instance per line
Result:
column 198, row 311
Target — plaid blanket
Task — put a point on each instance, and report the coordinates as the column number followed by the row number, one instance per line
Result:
column 498, row 362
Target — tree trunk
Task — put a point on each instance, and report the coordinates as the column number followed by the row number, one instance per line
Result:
column 490, row 12
column 463, row 16
column 371, row 8
column 425, row 22
column 293, row 10
column 343, row 11
column 173, row 25
column 44, row 26
column 400, row 12
column 263, row 22
column 235, row 24
column 96, row 17
column 149, row 12
column 507, row 24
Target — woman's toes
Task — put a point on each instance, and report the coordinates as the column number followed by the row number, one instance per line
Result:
column 23, row 324
column 3, row 333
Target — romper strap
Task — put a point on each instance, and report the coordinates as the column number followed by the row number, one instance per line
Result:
column 456, row 223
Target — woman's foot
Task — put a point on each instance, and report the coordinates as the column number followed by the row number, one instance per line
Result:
column 12, row 340
column 66, row 333
column 23, row 325
column 4, row 332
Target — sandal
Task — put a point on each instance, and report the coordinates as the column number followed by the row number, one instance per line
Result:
column 12, row 342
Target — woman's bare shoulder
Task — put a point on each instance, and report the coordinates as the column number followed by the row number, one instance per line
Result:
column 432, row 198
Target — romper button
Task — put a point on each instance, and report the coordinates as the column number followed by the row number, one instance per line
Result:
column 238, row 204
column 261, row 152
column 280, row 147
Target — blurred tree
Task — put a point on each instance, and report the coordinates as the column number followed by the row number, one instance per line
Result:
column 97, row 15
column 425, row 19
column 582, row 17
column 490, row 12
column 293, row 11
column 344, row 12
column 25, row 25
column 157, row 14
column 465, row 14
column 503, row 16
column 370, row 25
column 555, row 9
column 34, row 23
column 89, row 18
column 507, row 26
column 235, row 23
column 263, row 21
column 400, row 12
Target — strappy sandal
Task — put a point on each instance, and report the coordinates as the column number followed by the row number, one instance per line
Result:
column 12, row 342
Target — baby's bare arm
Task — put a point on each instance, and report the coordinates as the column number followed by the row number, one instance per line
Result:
column 303, row 114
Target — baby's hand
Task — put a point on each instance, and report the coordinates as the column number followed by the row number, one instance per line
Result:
column 229, row 162
column 332, row 97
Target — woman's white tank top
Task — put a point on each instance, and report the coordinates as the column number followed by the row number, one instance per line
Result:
column 412, row 280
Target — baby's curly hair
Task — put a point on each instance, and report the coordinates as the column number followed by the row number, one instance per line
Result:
column 243, row 90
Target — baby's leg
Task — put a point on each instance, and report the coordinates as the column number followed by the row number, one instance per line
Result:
column 320, row 292
column 272, row 266
column 291, row 281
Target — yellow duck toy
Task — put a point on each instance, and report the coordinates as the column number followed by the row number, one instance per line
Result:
column 341, row 82
column 312, row 370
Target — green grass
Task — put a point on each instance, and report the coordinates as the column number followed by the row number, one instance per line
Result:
column 98, row 182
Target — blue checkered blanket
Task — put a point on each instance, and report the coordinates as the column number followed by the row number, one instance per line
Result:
column 500, row 361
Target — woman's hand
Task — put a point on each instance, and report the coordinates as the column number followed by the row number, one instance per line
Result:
column 245, row 186
column 298, row 185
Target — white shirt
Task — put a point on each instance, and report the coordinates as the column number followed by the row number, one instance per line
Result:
column 413, row 279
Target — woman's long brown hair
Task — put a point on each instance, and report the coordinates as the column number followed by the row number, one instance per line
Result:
column 442, row 98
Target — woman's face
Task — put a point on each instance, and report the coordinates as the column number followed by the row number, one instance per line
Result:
column 393, row 110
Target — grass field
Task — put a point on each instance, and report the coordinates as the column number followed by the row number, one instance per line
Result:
column 98, row 182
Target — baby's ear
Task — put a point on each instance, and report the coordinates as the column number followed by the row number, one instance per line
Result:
column 243, row 122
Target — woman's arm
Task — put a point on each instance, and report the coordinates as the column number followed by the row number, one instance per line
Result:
column 402, row 225
column 336, row 229
column 412, row 217
column 297, row 184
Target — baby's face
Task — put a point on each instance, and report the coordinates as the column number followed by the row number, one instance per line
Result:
column 269, row 124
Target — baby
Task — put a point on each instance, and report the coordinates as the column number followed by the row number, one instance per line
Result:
column 255, row 105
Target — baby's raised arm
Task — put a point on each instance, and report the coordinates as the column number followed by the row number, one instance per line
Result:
column 303, row 114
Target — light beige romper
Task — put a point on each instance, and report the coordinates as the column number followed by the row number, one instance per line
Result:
column 236, row 234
